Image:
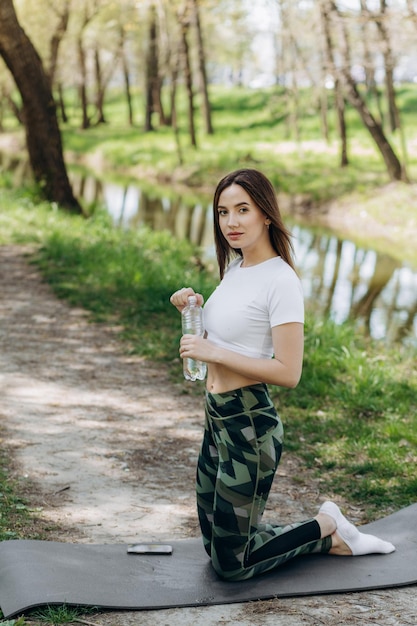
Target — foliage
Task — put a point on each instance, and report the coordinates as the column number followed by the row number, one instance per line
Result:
column 61, row 614
column 353, row 416
column 17, row 518
column 280, row 129
column 126, row 276
column 13, row 511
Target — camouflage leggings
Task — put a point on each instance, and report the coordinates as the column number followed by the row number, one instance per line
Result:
column 238, row 460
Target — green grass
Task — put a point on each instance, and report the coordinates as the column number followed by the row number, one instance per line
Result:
column 353, row 417
column 53, row 614
column 123, row 276
column 13, row 510
column 61, row 614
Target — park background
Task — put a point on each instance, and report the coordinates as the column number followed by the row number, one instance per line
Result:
column 118, row 118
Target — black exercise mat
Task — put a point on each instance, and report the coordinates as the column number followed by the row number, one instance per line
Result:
column 36, row 573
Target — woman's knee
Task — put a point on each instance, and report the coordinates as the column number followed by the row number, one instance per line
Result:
column 228, row 563
column 231, row 575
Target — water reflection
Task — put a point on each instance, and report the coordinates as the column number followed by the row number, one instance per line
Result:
column 131, row 207
column 345, row 281
column 340, row 279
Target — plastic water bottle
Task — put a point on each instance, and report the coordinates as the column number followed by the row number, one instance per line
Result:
column 192, row 324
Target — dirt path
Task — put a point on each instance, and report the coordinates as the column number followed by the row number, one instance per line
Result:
column 107, row 447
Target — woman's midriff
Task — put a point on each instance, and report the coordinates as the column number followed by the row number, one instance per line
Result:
column 220, row 379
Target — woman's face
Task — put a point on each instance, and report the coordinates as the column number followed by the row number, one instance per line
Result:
column 241, row 221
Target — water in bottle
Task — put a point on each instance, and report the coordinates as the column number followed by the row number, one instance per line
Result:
column 192, row 324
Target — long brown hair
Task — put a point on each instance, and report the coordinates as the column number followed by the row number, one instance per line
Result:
column 261, row 191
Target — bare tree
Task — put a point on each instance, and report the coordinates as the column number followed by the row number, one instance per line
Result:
column 100, row 87
column 169, row 56
column 61, row 102
column 86, row 14
column 151, row 70
column 338, row 93
column 368, row 62
column 184, row 21
column 381, row 21
column 289, row 70
column 43, row 137
column 82, row 64
column 412, row 12
column 103, row 77
column 126, row 76
column 202, row 69
column 175, row 69
column 332, row 16
column 324, row 109
column 153, row 98
column 56, row 39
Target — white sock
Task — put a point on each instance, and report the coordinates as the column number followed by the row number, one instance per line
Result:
column 359, row 543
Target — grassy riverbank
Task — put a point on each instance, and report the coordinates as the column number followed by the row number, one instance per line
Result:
column 352, row 419
column 253, row 128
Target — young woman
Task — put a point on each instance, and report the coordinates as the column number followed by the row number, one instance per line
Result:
column 254, row 337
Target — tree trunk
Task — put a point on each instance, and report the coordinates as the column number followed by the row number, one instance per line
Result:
column 391, row 160
column 103, row 78
column 175, row 62
column 367, row 57
column 294, row 95
column 89, row 11
column 202, row 71
column 151, row 71
column 126, row 78
column 411, row 12
column 100, row 89
column 153, row 81
column 61, row 103
column 338, row 95
column 380, row 20
column 370, row 81
column 128, row 90
column 83, row 84
column 184, row 24
column 43, row 137
column 341, row 119
column 324, row 108
column 57, row 37
column 393, row 114
column 293, row 109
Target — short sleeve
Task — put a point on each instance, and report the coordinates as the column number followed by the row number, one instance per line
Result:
column 285, row 298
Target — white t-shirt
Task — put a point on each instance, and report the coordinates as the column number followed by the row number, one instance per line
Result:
column 248, row 302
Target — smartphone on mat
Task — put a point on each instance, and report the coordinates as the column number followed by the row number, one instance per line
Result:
column 149, row 548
